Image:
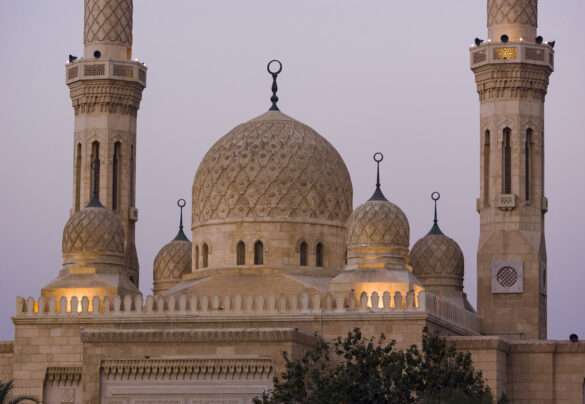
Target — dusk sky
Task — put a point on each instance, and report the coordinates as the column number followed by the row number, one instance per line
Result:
column 371, row 76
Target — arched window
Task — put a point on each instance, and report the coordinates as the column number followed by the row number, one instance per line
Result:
column 241, row 253
column 196, row 257
column 115, row 176
column 95, row 158
column 507, row 163
column 78, row 178
column 528, row 163
column 132, row 180
column 303, row 253
column 486, row 168
column 319, row 255
column 258, row 253
column 204, row 254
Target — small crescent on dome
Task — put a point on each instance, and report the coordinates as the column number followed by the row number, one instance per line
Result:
column 435, row 196
column 378, row 157
column 181, row 203
column 279, row 66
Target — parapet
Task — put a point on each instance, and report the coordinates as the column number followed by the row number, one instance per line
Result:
column 250, row 305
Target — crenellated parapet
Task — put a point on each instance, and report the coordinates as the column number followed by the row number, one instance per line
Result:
column 272, row 305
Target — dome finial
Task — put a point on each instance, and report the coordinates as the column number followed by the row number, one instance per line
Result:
column 378, row 195
column 274, row 74
column 435, row 196
column 95, row 198
column 180, row 235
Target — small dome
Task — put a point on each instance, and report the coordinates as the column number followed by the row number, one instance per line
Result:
column 93, row 230
column 172, row 262
column 272, row 166
column 378, row 222
column 435, row 255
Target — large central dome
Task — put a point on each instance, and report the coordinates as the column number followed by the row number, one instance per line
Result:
column 272, row 166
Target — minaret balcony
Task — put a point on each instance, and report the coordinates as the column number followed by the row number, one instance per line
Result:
column 98, row 69
column 511, row 52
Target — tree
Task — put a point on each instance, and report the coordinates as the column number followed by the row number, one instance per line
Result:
column 6, row 396
column 359, row 370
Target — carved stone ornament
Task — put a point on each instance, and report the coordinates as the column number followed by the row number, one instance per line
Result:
column 93, row 230
column 512, row 12
column 108, row 21
column 376, row 223
column 437, row 254
column 173, row 260
column 272, row 166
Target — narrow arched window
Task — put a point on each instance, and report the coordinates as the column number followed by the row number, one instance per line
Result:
column 115, row 175
column 78, row 178
column 204, row 255
column 95, row 159
column 507, row 163
column 196, row 257
column 528, row 163
column 319, row 255
column 241, row 253
column 132, row 179
column 486, row 168
column 303, row 253
column 258, row 253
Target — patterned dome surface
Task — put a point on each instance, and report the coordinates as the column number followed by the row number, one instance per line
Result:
column 172, row 261
column 378, row 222
column 272, row 166
column 95, row 230
column 436, row 254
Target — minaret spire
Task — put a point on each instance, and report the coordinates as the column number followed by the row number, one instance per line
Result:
column 181, row 235
column 378, row 195
column 435, row 196
column 274, row 74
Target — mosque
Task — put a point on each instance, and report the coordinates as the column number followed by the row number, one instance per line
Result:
column 278, row 258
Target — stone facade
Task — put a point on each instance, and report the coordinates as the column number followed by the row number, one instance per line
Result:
column 279, row 260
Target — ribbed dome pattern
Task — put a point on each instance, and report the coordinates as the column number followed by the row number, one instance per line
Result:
column 272, row 166
column 436, row 254
column 378, row 222
column 172, row 261
column 95, row 230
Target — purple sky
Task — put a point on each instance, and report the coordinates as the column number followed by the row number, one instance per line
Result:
column 388, row 76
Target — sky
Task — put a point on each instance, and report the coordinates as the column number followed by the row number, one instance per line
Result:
column 370, row 76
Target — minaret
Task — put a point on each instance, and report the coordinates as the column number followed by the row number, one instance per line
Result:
column 512, row 68
column 106, row 89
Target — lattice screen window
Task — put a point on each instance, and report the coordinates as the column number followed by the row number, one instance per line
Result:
column 196, row 257
column 115, row 175
column 319, row 255
column 507, row 277
column 95, row 172
column 507, row 164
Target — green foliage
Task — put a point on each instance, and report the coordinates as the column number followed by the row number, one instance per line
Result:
column 6, row 396
column 358, row 370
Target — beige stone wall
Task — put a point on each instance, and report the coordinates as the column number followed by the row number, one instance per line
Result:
column 281, row 239
column 6, row 359
column 532, row 371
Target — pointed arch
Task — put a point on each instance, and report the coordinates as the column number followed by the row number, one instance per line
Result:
column 241, row 253
column 204, row 255
column 507, row 162
column 303, row 252
column 486, row 168
column 196, row 257
column 258, row 253
column 95, row 157
column 319, row 255
column 528, row 165
column 78, row 178
column 116, row 163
